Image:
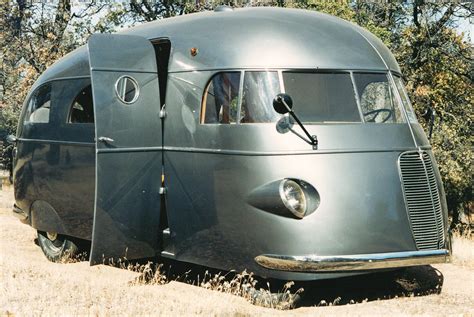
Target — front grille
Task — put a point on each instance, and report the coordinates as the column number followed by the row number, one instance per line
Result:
column 422, row 199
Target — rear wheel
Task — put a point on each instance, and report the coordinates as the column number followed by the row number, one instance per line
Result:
column 57, row 247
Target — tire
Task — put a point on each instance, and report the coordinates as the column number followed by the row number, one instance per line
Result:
column 56, row 247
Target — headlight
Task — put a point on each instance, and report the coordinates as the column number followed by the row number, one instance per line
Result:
column 293, row 197
column 287, row 197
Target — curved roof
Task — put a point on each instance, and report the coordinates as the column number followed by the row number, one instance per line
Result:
column 254, row 38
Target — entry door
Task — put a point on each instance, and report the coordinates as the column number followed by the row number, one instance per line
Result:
column 128, row 147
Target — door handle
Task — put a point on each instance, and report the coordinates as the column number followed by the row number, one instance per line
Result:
column 105, row 139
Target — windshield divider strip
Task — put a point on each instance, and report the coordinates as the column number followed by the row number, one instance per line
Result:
column 280, row 79
column 356, row 93
column 240, row 97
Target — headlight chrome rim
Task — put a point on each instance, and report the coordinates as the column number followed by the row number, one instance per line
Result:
column 284, row 194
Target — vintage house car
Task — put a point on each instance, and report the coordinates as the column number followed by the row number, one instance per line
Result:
column 163, row 140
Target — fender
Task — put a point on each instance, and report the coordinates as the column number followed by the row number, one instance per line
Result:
column 45, row 218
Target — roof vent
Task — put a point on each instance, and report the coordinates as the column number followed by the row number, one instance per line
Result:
column 223, row 8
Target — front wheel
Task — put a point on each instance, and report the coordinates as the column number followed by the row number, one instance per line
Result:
column 57, row 247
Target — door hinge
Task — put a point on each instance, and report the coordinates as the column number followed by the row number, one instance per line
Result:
column 163, row 112
column 167, row 244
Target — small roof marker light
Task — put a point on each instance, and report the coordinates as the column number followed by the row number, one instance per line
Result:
column 223, row 8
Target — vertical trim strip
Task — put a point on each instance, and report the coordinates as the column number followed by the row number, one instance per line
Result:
column 357, row 97
column 239, row 100
column 280, row 79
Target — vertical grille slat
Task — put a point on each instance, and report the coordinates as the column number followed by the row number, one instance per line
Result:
column 423, row 203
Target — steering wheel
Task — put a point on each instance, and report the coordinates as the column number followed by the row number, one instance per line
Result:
column 376, row 112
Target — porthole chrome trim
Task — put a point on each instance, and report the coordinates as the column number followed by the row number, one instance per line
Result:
column 120, row 95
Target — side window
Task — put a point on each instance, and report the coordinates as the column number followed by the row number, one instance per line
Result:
column 405, row 100
column 39, row 106
column 220, row 101
column 377, row 99
column 82, row 108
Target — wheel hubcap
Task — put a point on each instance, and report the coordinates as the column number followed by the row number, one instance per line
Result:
column 52, row 235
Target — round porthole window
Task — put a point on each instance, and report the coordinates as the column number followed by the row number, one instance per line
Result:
column 126, row 88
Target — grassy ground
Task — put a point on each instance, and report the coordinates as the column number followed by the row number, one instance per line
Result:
column 30, row 285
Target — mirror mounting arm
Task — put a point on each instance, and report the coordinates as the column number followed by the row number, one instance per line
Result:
column 313, row 139
column 429, row 115
column 12, row 139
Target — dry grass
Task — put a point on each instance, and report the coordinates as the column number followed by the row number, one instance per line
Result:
column 243, row 284
column 416, row 282
column 463, row 250
column 68, row 258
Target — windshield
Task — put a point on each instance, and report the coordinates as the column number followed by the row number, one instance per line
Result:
column 318, row 97
column 322, row 97
column 377, row 99
column 259, row 89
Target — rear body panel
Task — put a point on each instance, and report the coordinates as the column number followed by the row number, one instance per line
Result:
column 55, row 167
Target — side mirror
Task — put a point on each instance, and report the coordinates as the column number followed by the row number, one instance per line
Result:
column 285, row 124
column 428, row 114
column 11, row 139
column 282, row 103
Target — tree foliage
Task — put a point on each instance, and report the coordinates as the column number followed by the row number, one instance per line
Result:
column 33, row 36
column 435, row 60
column 437, row 65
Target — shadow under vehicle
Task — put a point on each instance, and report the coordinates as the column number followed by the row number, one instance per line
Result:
column 279, row 141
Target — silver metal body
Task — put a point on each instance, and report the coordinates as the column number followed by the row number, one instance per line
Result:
column 367, row 213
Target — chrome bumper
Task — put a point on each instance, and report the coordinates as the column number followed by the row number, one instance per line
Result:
column 357, row 262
